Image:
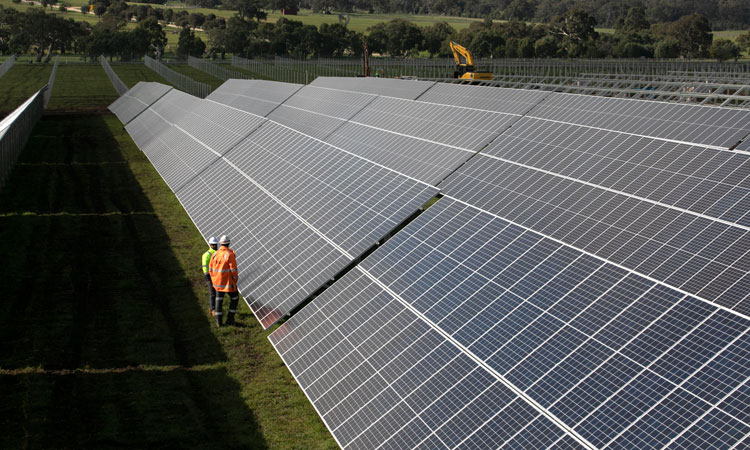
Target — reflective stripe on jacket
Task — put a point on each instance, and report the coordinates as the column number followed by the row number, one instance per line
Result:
column 223, row 270
column 206, row 258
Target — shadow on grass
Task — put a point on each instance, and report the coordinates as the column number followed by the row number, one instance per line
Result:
column 104, row 344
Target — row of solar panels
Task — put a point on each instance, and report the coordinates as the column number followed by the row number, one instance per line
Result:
column 544, row 302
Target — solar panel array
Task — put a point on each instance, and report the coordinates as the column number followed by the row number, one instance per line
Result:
column 587, row 351
column 705, row 125
column 582, row 283
column 299, row 210
column 137, row 100
column 254, row 96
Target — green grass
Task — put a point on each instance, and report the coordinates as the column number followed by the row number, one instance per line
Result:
column 195, row 74
column 130, row 74
column 20, row 82
column 106, row 338
column 81, row 87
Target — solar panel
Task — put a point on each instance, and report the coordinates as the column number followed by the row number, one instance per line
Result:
column 424, row 140
column 145, row 127
column 599, row 354
column 392, row 87
column 704, row 253
column 382, row 377
column 744, row 145
column 706, row 125
column 137, row 99
column 219, row 126
column 319, row 111
column 350, row 202
column 254, row 96
column 511, row 101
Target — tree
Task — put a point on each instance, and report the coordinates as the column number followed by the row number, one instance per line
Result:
column 693, row 32
column 436, row 38
column 157, row 39
column 196, row 20
column 667, row 49
column 248, row 9
column 189, row 44
column 576, row 31
column 743, row 42
column 519, row 10
column 724, row 49
column 396, row 37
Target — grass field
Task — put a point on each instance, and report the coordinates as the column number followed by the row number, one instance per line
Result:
column 20, row 82
column 81, row 87
column 195, row 74
column 130, row 74
column 106, row 339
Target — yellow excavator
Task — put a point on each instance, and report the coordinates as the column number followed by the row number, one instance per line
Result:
column 466, row 70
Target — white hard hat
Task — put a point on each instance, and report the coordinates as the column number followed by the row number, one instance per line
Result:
column 224, row 239
column 213, row 241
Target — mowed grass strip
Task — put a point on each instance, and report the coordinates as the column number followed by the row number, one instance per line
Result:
column 21, row 82
column 131, row 74
column 81, row 87
column 107, row 342
column 195, row 74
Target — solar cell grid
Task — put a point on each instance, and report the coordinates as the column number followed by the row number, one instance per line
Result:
column 511, row 101
column 319, row 111
column 406, row 89
column 682, row 249
column 581, row 355
column 383, row 378
column 353, row 202
column 219, row 127
column 254, row 96
column 424, row 140
column 722, row 127
column 137, row 99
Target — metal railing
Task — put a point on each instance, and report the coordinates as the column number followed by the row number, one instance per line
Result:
column 117, row 83
column 7, row 64
column 180, row 81
column 51, row 82
column 305, row 70
column 15, row 130
column 216, row 70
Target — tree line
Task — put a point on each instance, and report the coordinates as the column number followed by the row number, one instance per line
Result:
column 568, row 35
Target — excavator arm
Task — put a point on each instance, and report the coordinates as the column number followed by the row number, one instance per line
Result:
column 460, row 51
column 465, row 70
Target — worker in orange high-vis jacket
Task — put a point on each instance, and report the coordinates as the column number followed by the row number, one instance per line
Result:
column 224, row 275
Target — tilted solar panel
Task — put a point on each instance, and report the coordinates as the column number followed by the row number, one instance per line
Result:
column 350, row 202
column 219, row 126
column 424, row 140
column 744, row 145
column 691, row 234
column 511, row 101
column 254, row 96
column 406, row 89
column 319, row 111
column 706, row 125
column 137, row 99
column 605, row 357
column 380, row 376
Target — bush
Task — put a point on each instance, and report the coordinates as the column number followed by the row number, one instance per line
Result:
column 668, row 48
column 724, row 49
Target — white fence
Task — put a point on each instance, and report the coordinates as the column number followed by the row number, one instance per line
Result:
column 216, row 70
column 119, row 86
column 15, row 130
column 51, row 82
column 180, row 81
column 7, row 64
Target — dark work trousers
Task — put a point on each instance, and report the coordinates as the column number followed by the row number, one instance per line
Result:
column 211, row 295
column 234, row 298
